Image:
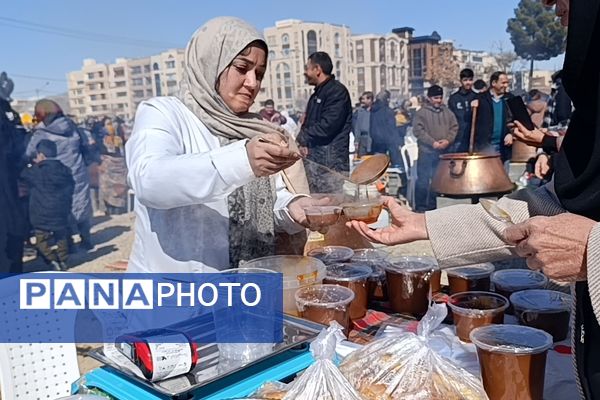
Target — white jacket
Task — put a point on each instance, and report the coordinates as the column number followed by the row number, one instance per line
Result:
column 181, row 177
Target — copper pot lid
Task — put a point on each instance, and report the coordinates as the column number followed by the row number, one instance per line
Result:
column 370, row 169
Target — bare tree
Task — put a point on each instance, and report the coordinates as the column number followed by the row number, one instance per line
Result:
column 444, row 69
column 504, row 58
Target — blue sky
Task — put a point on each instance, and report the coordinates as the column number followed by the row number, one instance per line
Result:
column 139, row 28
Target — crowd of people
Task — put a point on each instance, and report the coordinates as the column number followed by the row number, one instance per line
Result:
column 54, row 176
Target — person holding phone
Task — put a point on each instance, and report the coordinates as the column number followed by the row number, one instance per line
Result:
column 214, row 183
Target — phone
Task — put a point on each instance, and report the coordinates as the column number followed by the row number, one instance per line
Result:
column 519, row 112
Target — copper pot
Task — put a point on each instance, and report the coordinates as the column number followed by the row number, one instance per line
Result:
column 521, row 153
column 464, row 174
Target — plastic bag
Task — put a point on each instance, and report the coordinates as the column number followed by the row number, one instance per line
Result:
column 269, row 391
column 323, row 380
column 406, row 367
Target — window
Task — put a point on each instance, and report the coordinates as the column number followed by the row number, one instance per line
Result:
column 147, row 68
column 100, row 74
column 360, row 75
column 137, row 82
column 148, row 92
column 80, row 82
column 311, row 39
column 360, row 52
column 382, row 50
column 417, row 67
column 382, row 77
column 285, row 44
column 90, row 75
column 338, row 70
column 104, row 107
column 94, row 97
column 119, row 72
column 94, row 108
column 157, row 85
column 136, row 70
column 138, row 93
column 121, row 94
column 170, row 64
column 336, row 44
column 271, row 55
column 148, row 80
column 171, row 77
column 79, row 101
column 79, row 92
column 283, row 77
column 351, row 52
column 393, row 51
column 477, row 59
column 155, row 66
column 120, row 84
column 171, row 83
column 372, row 42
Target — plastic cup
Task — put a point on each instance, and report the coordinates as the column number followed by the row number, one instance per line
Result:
column 298, row 271
column 508, row 281
column 322, row 216
column 367, row 210
column 248, row 325
column 377, row 284
column 325, row 303
column 470, row 278
column 471, row 310
column 355, row 277
column 332, row 254
column 547, row 310
column 512, row 359
column 409, row 283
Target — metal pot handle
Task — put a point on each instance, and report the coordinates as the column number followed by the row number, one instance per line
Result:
column 462, row 169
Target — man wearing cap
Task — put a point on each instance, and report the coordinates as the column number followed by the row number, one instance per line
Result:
column 435, row 127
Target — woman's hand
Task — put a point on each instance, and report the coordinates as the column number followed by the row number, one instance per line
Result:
column 406, row 227
column 296, row 209
column 556, row 245
column 269, row 154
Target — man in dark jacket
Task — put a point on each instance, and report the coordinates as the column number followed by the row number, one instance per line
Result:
column 51, row 187
column 13, row 225
column 325, row 135
column 385, row 135
column 460, row 104
column 435, row 128
column 491, row 129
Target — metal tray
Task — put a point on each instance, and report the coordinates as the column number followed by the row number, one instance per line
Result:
column 211, row 367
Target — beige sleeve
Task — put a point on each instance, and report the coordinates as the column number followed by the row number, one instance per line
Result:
column 466, row 234
column 593, row 268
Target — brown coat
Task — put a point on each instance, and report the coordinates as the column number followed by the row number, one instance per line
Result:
column 431, row 125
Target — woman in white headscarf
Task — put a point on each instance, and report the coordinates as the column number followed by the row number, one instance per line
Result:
column 214, row 184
